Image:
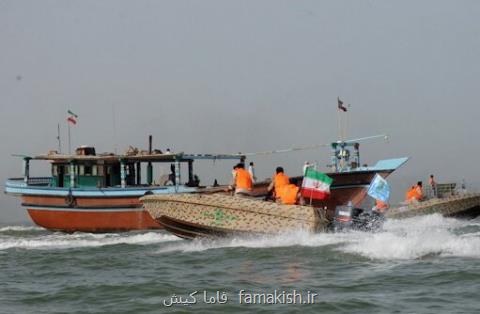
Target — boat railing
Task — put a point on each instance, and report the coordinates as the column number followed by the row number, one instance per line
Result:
column 39, row 181
column 441, row 190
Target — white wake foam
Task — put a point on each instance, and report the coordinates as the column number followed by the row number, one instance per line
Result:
column 79, row 240
column 415, row 238
column 297, row 238
column 20, row 228
column 405, row 239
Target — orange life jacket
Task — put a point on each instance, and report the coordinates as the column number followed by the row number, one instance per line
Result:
column 415, row 192
column 418, row 192
column 288, row 194
column 243, row 179
column 381, row 205
column 281, row 179
column 410, row 194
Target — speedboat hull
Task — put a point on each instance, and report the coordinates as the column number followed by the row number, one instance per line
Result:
column 197, row 215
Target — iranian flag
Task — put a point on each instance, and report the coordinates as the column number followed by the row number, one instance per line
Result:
column 316, row 185
column 72, row 117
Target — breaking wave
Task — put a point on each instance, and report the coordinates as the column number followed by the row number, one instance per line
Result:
column 21, row 228
column 406, row 239
column 81, row 240
column 297, row 238
column 419, row 237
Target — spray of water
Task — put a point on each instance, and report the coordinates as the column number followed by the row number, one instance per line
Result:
column 48, row 241
column 399, row 240
column 405, row 239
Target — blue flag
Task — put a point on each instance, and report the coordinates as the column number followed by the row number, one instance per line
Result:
column 379, row 189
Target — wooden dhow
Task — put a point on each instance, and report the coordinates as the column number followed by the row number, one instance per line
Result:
column 199, row 215
column 100, row 193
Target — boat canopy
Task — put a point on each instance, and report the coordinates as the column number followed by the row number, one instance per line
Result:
column 181, row 157
column 86, row 169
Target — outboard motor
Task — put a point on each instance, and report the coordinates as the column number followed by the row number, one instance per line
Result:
column 348, row 217
column 344, row 217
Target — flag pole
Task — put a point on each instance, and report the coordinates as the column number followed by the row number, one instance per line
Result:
column 69, row 143
column 311, row 191
column 339, row 124
column 345, row 125
column 58, row 138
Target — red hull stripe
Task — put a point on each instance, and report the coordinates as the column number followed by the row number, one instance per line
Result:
column 92, row 221
column 85, row 209
column 314, row 194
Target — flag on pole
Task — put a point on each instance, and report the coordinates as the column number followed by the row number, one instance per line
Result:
column 379, row 189
column 72, row 113
column 316, row 185
column 72, row 118
column 340, row 105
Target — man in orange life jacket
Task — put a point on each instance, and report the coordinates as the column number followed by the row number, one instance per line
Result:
column 289, row 194
column 419, row 191
column 415, row 194
column 242, row 181
column 409, row 194
column 278, row 180
column 380, row 206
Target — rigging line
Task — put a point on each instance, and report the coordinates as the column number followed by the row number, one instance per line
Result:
column 310, row 147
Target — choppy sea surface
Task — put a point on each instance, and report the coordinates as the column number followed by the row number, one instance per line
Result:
column 426, row 264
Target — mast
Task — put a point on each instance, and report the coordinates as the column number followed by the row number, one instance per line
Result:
column 149, row 165
column 58, row 139
column 69, row 142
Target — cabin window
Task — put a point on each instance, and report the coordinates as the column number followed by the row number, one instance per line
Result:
column 87, row 170
column 81, row 170
column 54, row 170
column 67, row 170
column 94, row 170
column 100, row 170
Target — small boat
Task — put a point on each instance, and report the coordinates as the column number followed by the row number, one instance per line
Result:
column 189, row 216
column 350, row 184
column 100, row 193
column 200, row 215
column 456, row 205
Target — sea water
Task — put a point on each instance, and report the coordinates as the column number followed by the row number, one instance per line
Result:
column 425, row 264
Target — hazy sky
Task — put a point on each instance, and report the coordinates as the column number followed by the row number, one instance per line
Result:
column 228, row 76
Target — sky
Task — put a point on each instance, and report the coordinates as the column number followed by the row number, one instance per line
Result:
column 229, row 76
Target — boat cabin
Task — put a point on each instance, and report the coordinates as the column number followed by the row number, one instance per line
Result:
column 342, row 159
column 85, row 169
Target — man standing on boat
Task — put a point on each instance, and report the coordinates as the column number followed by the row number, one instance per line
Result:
column 242, row 181
column 251, row 170
column 433, row 185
